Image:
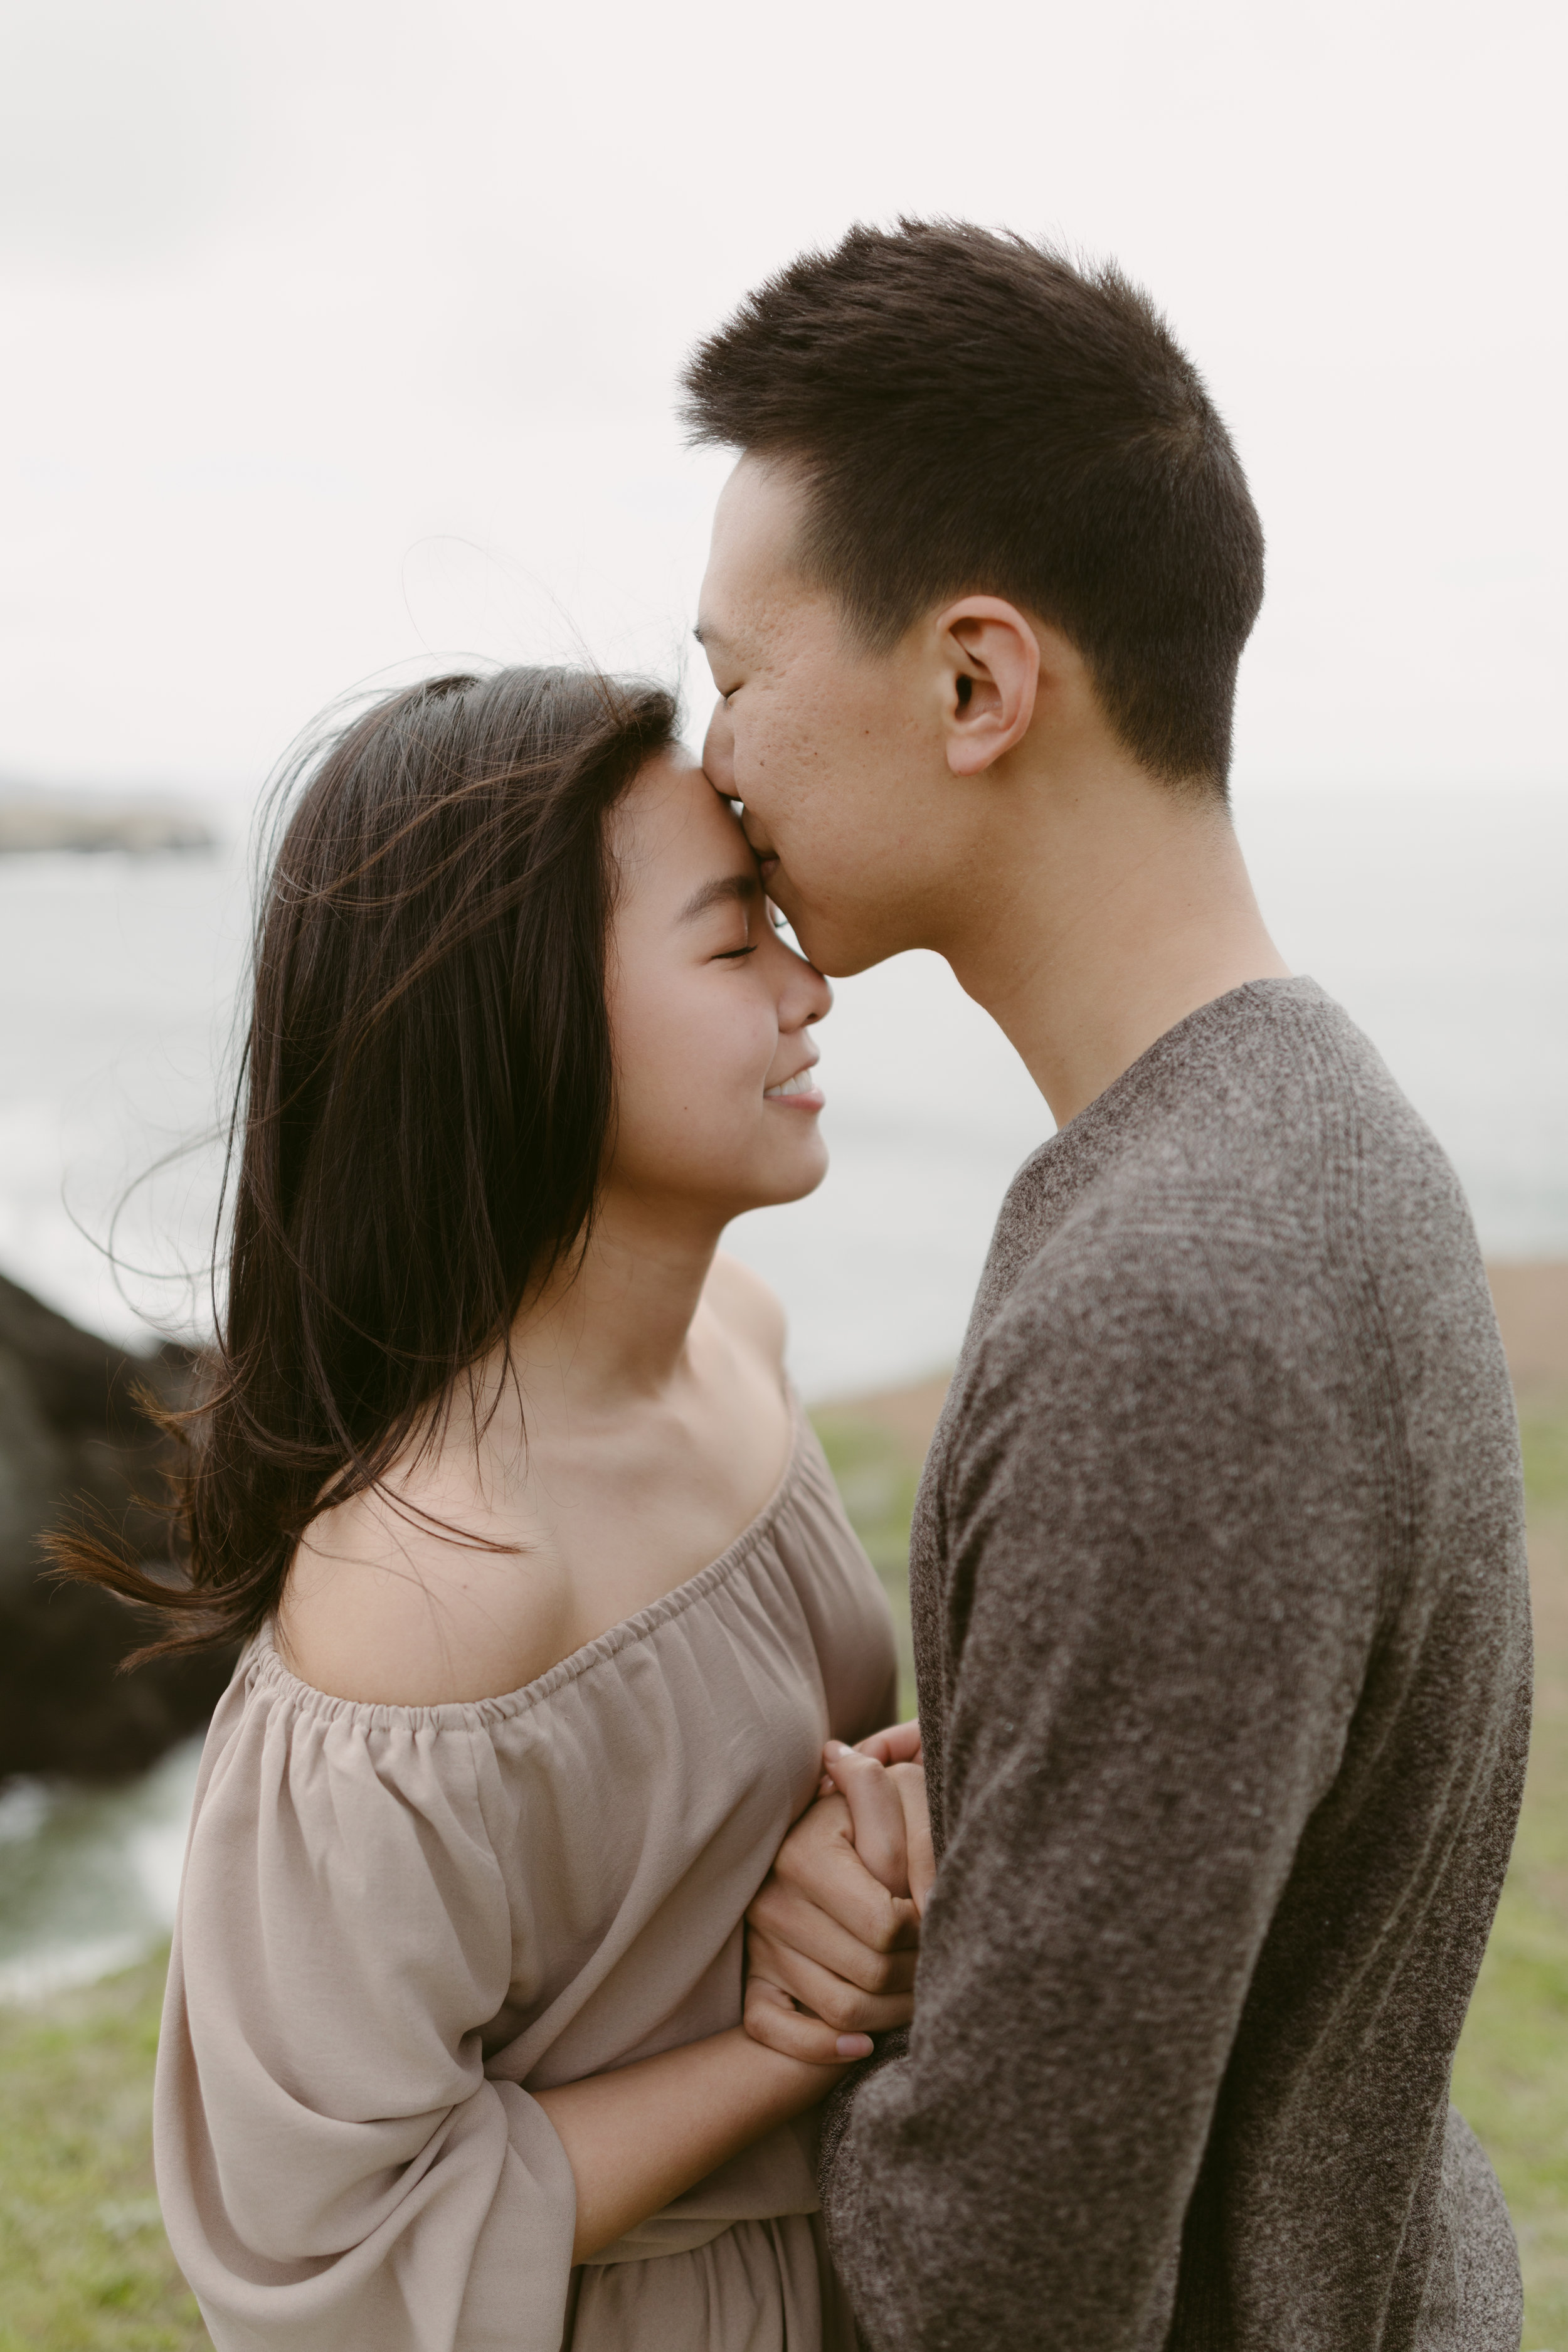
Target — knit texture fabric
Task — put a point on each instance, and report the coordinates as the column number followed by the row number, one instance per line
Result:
column 1223, row 1640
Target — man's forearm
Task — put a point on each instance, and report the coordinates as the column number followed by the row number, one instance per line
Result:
column 851, row 2216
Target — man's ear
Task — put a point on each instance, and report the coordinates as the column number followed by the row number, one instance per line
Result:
column 990, row 660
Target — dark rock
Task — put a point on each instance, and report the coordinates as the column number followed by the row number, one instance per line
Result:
column 71, row 1431
column 81, row 820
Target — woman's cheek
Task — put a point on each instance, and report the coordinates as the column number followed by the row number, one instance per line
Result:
column 736, row 1038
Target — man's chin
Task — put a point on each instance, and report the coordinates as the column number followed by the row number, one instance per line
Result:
column 801, row 927
column 835, row 956
column 837, row 953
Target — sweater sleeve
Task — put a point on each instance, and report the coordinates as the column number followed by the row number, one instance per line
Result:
column 337, row 2173
column 1153, row 1647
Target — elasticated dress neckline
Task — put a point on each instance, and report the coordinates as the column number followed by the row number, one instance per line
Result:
column 463, row 1714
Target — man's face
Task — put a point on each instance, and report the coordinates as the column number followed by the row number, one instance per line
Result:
column 837, row 754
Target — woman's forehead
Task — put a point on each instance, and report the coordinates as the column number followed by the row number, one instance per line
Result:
column 673, row 833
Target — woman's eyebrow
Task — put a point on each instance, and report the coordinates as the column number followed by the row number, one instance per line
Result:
column 745, row 888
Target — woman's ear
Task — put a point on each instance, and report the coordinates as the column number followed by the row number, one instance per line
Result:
column 991, row 659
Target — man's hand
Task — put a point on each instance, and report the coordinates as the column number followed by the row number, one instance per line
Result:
column 835, row 1924
column 899, row 1744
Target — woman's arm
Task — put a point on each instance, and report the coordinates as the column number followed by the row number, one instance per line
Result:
column 639, row 2136
column 644, row 2134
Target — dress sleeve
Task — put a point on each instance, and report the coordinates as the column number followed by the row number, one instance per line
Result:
column 1154, row 1652
column 337, row 2173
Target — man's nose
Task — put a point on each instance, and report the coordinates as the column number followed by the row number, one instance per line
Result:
column 718, row 753
column 808, row 998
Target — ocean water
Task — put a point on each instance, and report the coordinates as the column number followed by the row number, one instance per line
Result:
column 88, row 1877
column 1439, row 919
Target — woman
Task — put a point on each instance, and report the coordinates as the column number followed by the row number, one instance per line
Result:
column 549, row 1601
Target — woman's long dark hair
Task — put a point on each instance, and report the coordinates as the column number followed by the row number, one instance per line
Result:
column 422, row 1110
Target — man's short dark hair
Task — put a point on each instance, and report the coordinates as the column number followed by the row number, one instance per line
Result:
column 972, row 413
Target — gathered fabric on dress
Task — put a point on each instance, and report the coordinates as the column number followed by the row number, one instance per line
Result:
column 398, row 1922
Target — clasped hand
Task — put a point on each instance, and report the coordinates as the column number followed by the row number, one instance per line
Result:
column 833, row 1934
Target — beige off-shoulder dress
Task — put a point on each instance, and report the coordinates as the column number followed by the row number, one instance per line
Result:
column 397, row 1923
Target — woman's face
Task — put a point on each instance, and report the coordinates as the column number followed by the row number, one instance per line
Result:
column 716, row 1104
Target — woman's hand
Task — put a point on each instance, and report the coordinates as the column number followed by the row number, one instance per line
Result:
column 830, row 1960
column 831, row 1934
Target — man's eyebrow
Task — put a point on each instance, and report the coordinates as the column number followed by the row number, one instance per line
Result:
column 743, row 887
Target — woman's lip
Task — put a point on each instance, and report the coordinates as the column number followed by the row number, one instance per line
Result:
column 800, row 1097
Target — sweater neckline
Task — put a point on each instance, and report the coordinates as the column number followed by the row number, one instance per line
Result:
column 1106, row 1105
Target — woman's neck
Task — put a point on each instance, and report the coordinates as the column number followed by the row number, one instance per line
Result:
column 610, row 1326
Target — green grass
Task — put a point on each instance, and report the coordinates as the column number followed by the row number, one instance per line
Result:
column 1510, row 2078
column 877, row 1477
column 1546, row 1439
column 84, row 2266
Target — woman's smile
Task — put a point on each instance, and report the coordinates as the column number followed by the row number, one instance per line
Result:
column 801, row 1091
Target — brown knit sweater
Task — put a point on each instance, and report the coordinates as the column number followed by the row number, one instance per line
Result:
column 1222, row 1629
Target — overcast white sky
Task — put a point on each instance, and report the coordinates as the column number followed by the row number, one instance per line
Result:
column 334, row 336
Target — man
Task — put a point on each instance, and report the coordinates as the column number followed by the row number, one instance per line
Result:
column 1218, row 1575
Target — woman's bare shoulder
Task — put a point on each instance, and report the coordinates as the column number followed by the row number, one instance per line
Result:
column 420, row 1594
column 748, row 1309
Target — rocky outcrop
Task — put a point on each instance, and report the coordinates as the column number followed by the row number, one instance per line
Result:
column 69, row 1428
column 56, row 820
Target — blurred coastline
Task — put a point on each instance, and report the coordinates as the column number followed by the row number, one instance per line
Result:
column 37, row 819
column 1436, row 918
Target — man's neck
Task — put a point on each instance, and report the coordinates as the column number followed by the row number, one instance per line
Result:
column 1125, row 904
